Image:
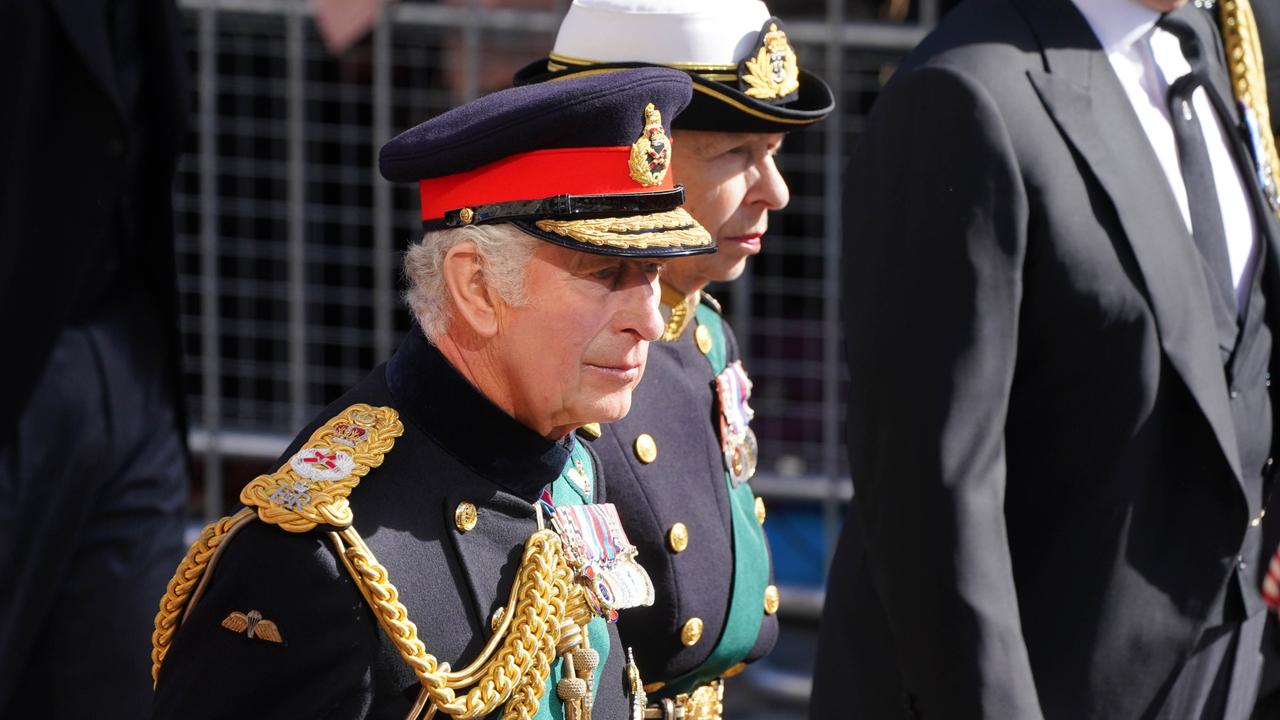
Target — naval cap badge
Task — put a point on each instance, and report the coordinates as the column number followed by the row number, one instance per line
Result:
column 651, row 152
column 772, row 73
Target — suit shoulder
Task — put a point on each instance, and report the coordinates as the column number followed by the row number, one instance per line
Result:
column 987, row 40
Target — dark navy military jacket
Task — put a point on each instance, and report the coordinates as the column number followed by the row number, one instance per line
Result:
column 335, row 661
column 675, row 406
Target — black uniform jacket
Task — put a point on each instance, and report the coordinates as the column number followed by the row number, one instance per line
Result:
column 1040, row 432
column 675, row 404
column 336, row 661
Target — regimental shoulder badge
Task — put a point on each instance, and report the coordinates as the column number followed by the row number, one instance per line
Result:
column 651, row 152
column 772, row 72
column 312, row 487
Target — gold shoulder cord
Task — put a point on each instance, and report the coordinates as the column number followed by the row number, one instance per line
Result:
column 1248, row 77
column 545, row 616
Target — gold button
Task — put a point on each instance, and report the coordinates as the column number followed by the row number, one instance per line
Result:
column 646, row 448
column 592, row 429
column 760, row 510
column 496, row 621
column 702, row 336
column 678, row 537
column 465, row 516
column 466, row 215
column 691, row 633
column 771, row 600
column 736, row 669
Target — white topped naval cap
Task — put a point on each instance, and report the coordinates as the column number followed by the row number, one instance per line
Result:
column 696, row 33
column 746, row 75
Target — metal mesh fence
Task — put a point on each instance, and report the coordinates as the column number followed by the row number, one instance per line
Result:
column 289, row 242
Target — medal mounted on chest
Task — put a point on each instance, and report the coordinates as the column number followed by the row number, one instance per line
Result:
column 737, row 439
column 602, row 558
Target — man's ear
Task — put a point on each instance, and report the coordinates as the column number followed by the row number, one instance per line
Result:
column 474, row 302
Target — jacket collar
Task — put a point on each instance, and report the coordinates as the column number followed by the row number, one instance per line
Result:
column 436, row 399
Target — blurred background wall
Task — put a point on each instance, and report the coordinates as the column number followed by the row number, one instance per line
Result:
column 289, row 243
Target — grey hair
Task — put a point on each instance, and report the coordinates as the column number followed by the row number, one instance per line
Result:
column 504, row 253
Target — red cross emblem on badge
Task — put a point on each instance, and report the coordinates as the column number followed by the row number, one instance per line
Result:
column 321, row 459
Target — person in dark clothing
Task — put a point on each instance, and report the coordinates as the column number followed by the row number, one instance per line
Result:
column 1061, row 285
column 93, row 461
column 681, row 462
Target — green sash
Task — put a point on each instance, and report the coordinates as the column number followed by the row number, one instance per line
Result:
column 566, row 492
column 750, row 556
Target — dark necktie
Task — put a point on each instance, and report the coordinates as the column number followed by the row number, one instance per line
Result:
column 1197, row 171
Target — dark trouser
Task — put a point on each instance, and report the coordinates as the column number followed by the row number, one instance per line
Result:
column 92, row 497
column 1220, row 679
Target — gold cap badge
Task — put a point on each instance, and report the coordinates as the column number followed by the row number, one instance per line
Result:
column 651, row 152
column 773, row 73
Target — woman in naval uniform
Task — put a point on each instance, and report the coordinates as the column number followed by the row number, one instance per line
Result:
column 436, row 543
column 680, row 462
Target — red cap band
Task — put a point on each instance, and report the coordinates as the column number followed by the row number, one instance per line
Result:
column 533, row 176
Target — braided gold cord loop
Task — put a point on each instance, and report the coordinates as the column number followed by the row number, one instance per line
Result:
column 513, row 668
column 1248, row 76
column 185, row 579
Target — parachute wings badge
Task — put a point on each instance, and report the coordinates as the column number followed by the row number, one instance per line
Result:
column 253, row 625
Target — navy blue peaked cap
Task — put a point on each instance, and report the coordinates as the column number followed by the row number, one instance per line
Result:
column 584, row 163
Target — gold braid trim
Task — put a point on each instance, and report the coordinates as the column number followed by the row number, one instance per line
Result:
column 674, row 228
column 514, row 665
column 1248, row 76
column 312, row 487
column 187, row 577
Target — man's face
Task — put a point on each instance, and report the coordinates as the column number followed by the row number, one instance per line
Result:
column 575, row 350
column 730, row 185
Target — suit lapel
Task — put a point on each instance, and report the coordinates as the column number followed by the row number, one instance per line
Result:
column 87, row 31
column 1082, row 94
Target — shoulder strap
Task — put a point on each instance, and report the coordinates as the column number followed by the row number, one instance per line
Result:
column 311, row 488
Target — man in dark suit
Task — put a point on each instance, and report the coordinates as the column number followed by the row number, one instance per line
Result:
column 1060, row 295
column 93, row 463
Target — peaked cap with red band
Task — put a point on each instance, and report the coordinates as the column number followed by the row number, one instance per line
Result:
column 584, row 163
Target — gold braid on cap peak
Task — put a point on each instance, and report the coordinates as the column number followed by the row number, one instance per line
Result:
column 545, row 616
column 673, row 228
column 1248, row 77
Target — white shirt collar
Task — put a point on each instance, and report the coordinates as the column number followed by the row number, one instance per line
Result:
column 1117, row 23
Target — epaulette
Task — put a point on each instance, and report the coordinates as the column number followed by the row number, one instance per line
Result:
column 590, row 431
column 711, row 302
column 310, row 489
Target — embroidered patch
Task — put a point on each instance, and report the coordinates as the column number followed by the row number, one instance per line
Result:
column 253, row 625
column 321, row 464
column 772, row 73
column 651, row 152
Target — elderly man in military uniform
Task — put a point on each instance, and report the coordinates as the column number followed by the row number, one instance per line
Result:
column 680, row 462
column 437, row 543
